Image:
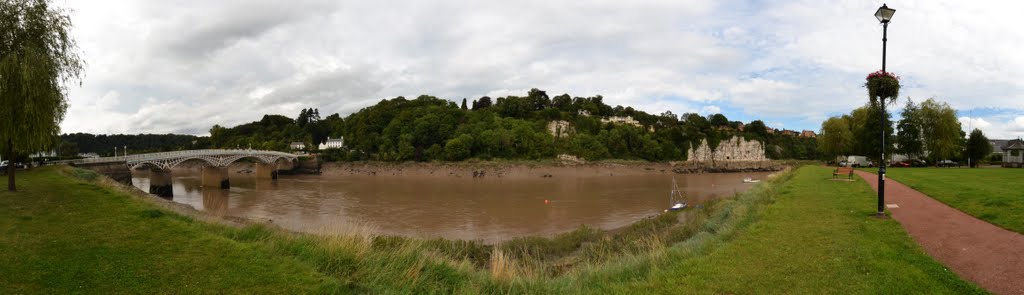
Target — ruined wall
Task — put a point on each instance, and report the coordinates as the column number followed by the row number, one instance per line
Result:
column 560, row 128
column 733, row 150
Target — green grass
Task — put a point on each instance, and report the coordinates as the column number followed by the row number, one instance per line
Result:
column 995, row 195
column 60, row 235
column 799, row 233
column 816, row 238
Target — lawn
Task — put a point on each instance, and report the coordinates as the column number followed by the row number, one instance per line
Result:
column 816, row 238
column 800, row 233
column 995, row 195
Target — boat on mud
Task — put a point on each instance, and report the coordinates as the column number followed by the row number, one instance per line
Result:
column 676, row 200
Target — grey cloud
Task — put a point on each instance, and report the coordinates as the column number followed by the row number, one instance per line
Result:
column 229, row 62
column 325, row 89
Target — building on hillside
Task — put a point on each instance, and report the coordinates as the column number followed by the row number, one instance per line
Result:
column 627, row 120
column 772, row 130
column 788, row 132
column 333, row 143
column 808, row 133
column 44, row 154
column 739, row 126
column 1013, row 153
column 297, row 146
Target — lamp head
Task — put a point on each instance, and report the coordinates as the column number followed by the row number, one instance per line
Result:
column 884, row 13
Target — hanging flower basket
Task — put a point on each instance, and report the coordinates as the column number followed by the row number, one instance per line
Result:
column 883, row 85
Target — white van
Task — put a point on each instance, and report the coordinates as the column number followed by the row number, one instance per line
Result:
column 857, row 161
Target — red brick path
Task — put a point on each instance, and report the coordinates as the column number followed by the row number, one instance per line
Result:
column 985, row 254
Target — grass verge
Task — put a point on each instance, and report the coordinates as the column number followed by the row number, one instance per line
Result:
column 995, row 195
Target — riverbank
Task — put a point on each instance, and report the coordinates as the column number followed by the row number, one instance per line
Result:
column 532, row 169
column 798, row 233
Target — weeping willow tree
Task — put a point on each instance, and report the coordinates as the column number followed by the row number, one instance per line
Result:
column 38, row 59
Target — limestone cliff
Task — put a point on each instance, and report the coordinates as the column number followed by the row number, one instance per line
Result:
column 736, row 149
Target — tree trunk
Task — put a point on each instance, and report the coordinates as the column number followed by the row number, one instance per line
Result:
column 10, row 165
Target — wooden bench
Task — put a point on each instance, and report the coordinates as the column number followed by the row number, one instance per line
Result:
column 848, row 171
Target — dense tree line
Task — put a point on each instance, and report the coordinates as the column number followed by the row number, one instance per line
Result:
column 102, row 144
column 928, row 131
column 276, row 132
column 515, row 127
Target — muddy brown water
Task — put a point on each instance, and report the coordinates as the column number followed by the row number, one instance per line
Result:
column 490, row 210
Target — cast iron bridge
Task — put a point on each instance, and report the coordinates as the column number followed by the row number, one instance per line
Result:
column 212, row 158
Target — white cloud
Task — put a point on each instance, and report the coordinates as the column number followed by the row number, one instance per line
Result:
column 185, row 66
column 710, row 110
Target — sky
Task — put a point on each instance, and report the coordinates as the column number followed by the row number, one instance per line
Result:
column 183, row 66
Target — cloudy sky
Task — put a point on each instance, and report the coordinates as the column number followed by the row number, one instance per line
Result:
column 183, row 66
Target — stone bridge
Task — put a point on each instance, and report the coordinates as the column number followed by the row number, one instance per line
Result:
column 215, row 165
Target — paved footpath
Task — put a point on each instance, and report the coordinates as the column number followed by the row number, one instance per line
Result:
column 978, row 251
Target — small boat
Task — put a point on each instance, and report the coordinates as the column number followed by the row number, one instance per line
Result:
column 675, row 198
column 751, row 180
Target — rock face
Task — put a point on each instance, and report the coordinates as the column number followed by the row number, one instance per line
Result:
column 736, row 149
column 560, row 128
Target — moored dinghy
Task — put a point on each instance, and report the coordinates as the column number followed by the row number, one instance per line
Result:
column 751, row 180
column 675, row 198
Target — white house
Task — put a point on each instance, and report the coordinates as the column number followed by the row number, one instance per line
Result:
column 333, row 143
column 298, row 145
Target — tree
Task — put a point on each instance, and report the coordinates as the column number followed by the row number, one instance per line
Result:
column 865, row 123
column 908, row 137
column 978, row 147
column 836, row 139
column 463, row 104
column 940, row 130
column 718, row 120
column 482, row 103
column 758, row 128
column 67, row 149
column 38, row 59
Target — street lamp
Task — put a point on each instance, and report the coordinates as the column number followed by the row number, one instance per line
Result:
column 883, row 14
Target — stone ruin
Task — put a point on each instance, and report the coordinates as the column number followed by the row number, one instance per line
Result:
column 560, row 128
column 736, row 149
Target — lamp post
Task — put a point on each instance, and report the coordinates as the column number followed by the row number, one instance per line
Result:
column 883, row 14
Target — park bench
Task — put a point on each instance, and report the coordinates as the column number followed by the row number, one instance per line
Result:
column 848, row 171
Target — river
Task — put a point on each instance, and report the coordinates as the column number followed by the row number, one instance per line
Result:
column 490, row 210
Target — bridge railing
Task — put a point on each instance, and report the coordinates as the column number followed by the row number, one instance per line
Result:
column 178, row 154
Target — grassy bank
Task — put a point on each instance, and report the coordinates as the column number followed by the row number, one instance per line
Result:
column 59, row 235
column 995, row 195
column 798, row 233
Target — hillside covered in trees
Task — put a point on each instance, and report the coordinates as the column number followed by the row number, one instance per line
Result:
column 102, row 144
column 428, row 128
column 514, row 127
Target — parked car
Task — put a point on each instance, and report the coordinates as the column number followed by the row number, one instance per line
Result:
column 900, row 164
column 4, row 164
column 843, row 163
column 948, row 163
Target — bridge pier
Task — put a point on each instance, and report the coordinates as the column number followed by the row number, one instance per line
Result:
column 266, row 171
column 216, row 177
column 161, row 183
